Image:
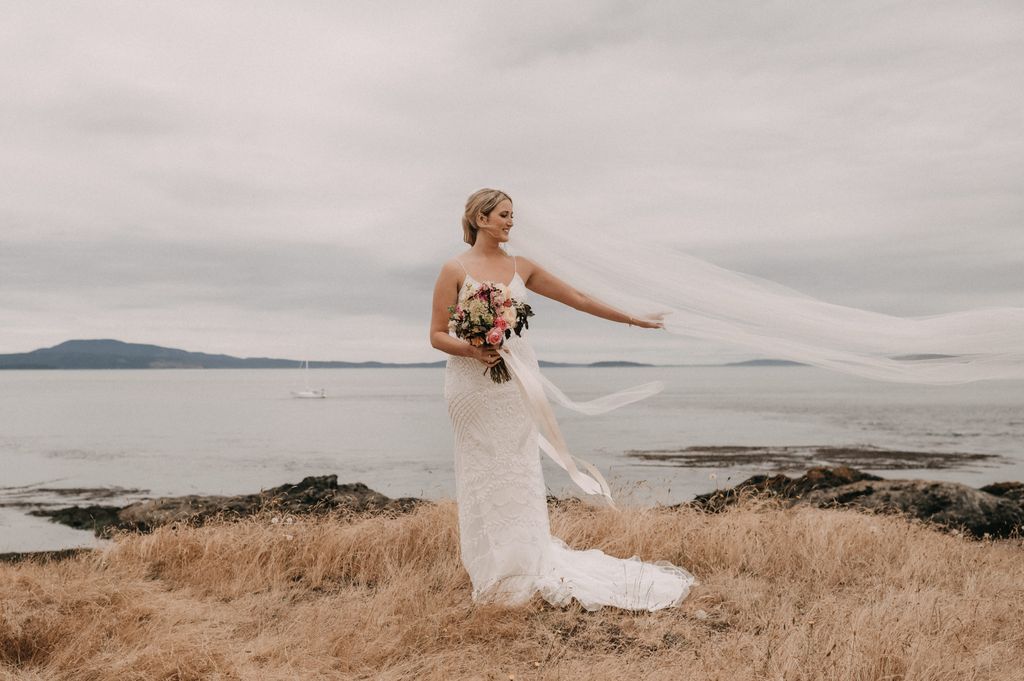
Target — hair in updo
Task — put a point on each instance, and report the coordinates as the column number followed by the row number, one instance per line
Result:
column 482, row 201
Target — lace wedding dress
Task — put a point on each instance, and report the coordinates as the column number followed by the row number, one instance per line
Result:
column 505, row 536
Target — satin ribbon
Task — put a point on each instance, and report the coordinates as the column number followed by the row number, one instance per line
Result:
column 531, row 384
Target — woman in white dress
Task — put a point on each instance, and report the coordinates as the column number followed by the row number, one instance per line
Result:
column 505, row 539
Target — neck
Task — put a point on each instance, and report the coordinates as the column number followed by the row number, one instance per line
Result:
column 488, row 247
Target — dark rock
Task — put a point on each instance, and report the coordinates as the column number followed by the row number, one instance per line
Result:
column 42, row 556
column 315, row 494
column 95, row 517
column 789, row 457
column 781, row 486
column 950, row 505
column 1009, row 490
column 564, row 503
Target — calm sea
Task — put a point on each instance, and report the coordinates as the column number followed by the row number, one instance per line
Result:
column 145, row 433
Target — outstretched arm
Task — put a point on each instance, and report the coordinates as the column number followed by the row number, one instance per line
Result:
column 548, row 285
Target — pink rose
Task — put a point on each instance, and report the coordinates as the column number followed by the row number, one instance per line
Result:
column 494, row 336
column 500, row 323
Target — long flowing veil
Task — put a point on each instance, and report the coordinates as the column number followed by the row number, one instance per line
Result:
column 704, row 301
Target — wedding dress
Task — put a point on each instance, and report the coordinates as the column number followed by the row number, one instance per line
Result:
column 504, row 532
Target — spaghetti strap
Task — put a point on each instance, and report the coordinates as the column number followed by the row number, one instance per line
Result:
column 463, row 266
column 515, row 266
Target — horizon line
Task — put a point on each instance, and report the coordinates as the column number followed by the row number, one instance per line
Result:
column 421, row 363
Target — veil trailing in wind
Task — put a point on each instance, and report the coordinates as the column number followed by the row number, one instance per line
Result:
column 703, row 301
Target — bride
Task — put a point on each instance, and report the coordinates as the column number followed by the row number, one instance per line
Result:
column 505, row 537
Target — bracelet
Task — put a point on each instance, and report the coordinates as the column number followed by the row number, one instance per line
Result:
column 630, row 322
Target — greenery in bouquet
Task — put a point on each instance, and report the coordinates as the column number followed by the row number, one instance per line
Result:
column 487, row 314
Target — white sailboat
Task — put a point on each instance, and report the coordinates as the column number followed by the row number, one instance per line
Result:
column 307, row 392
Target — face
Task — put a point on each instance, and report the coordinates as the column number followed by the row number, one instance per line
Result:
column 498, row 223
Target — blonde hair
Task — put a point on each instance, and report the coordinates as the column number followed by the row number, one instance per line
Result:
column 482, row 201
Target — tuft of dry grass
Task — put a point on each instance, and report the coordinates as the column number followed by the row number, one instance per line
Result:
column 798, row 593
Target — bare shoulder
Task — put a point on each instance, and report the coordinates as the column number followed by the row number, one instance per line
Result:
column 451, row 268
column 526, row 267
column 451, row 274
column 525, row 264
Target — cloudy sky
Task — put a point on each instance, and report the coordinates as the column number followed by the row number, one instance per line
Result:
column 285, row 179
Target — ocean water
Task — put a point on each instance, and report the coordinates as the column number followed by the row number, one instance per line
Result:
column 75, row 437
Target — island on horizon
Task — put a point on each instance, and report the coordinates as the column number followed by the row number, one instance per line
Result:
column 108, row 353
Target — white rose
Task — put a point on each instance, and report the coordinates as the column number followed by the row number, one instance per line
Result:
column 509, row 314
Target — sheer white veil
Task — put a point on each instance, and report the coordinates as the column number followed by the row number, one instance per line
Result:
column 704, row 301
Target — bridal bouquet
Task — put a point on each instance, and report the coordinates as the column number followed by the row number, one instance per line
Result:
column 486, row 315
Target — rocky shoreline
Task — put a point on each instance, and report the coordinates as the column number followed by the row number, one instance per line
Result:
column 993, row 511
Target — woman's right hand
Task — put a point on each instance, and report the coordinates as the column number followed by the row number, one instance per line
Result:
column 486, row 354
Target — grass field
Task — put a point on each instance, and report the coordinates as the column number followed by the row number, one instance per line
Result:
column 796, row 593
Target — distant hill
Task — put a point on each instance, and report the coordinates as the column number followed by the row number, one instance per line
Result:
column 603, row 364
column 114, row 354
column 108, row 353
column 763, row 363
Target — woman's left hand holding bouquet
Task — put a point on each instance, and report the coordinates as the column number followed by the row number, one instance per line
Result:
column 487, row 353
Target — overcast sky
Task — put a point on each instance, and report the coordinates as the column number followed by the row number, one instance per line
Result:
column 285, row 179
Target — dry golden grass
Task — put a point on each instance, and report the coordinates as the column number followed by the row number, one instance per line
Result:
column 786, row 594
